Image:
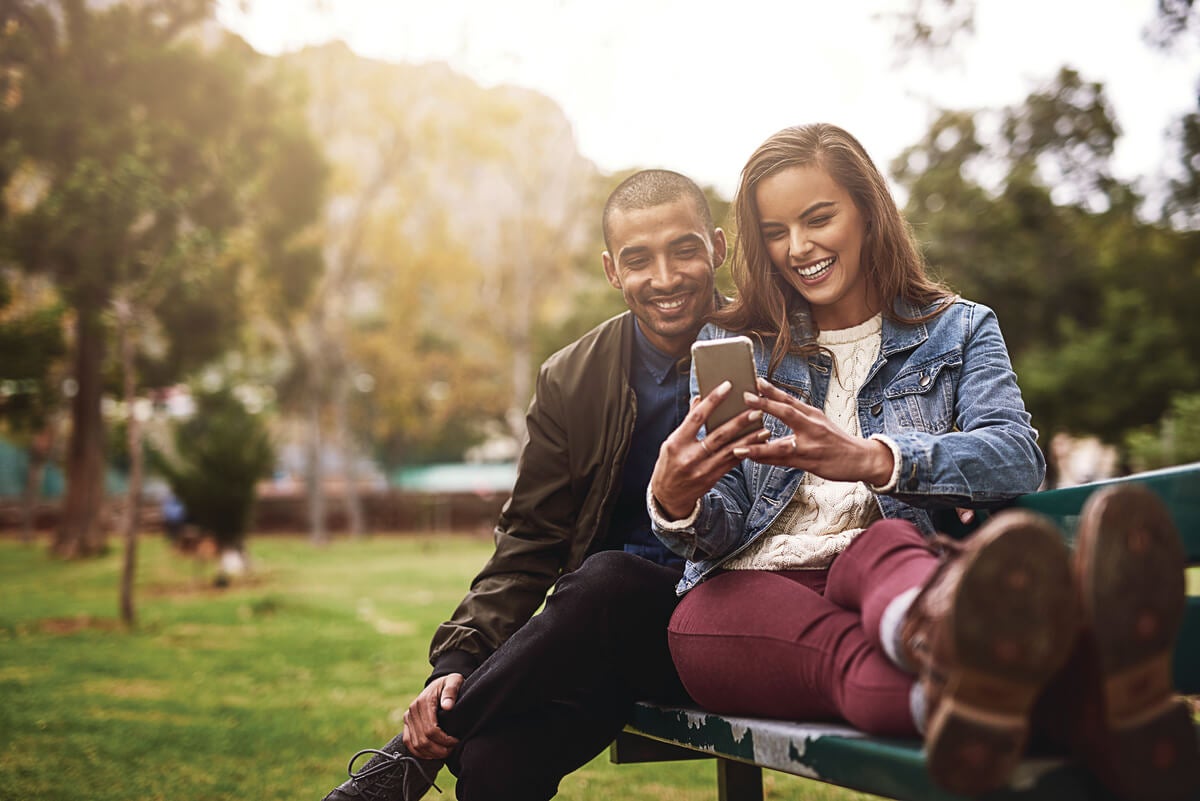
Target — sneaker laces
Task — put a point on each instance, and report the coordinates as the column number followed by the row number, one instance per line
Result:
column 389, row 762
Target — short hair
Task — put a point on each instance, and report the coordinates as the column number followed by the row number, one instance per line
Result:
column 648, row 188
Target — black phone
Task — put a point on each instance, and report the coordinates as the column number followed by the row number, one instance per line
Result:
column 729, row 359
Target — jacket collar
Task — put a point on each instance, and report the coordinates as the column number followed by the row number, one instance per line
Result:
column 898, row 336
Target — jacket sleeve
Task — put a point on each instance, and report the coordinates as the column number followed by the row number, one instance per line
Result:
column 720, row 518
column 532, row 544
column 992, row 455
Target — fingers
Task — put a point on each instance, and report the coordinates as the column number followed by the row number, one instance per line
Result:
column 422, row 735
column 780, row 451
column 701, row 409
column 965, row 515
column 776, row 402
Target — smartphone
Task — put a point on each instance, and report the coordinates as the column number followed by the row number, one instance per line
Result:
column 730, row 359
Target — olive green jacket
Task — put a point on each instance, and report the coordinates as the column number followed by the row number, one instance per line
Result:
column 579, row 426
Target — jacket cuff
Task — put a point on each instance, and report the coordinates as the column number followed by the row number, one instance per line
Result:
column 890, row 486
column 658, row 517
column 453, row 662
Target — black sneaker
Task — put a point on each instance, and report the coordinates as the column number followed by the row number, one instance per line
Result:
column 391, row 774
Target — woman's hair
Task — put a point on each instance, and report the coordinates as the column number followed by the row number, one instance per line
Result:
column 767, row 306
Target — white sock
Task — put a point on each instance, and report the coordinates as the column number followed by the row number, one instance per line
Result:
column 918, row 704
column 890, row 625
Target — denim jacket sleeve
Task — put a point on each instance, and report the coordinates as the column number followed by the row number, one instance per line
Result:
column 719, row 524
column 991, row 452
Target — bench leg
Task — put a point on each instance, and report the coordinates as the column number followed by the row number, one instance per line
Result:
column 737, row 781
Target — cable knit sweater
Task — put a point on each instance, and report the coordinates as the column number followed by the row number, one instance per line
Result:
column 824, row 516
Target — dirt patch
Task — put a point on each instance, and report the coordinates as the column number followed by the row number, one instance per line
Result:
column 74, row 625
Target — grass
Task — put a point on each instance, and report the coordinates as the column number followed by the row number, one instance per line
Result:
column 259, row 691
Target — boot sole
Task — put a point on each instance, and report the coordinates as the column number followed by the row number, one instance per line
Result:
column 1130, row 568
column 1015, row 619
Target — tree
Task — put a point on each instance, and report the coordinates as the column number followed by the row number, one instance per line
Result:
column 1029, row 220
column 218, row 457
column 31, row 337
column 134, row 189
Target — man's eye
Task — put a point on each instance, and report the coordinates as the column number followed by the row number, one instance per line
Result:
column 637, row 264
column 687, row 253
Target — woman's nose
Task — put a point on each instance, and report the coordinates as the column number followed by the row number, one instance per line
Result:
column 799, row 244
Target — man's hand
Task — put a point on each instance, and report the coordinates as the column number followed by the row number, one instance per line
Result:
column 422, row 737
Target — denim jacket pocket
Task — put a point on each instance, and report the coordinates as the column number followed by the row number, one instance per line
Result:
column 922, row 395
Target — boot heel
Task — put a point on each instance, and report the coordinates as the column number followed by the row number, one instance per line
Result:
column 1129, row 565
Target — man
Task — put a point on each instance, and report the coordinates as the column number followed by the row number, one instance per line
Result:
column 517, row 701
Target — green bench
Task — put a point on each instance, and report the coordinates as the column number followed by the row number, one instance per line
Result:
column 896, row 768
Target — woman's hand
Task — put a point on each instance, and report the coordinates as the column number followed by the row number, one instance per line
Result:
column 687, row 468
column 816, row 444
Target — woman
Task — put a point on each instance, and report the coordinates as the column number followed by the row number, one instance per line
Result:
column 812, row 589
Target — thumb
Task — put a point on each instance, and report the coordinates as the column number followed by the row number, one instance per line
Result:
column 450, row 690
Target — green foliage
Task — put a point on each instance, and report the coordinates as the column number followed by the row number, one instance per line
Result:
column 1095, row 303
column 262, row 691
column 33, row 344
column 1175, row 440
column 219, row 456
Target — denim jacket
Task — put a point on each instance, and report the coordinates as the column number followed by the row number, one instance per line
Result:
column 944, row 391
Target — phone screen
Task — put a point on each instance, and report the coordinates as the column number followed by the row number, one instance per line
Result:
column 730, row 359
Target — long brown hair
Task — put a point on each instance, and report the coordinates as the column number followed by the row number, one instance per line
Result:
column 766, row 306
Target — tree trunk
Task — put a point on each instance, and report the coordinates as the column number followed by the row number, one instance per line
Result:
column 39, row 455
column 133, row 503
column 81, row 530
column 316, row 473
column 353, row 501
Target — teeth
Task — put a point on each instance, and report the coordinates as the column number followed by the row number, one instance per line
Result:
column 816, row 269
column 670, row 304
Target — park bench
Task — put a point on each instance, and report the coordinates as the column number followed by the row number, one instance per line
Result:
column 896, row 768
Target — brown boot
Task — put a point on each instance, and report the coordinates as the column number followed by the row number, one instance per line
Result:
column 990, row 627
column 1134, row 730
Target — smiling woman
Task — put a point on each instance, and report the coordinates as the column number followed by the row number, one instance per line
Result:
column 813, row 234
column 887, row 397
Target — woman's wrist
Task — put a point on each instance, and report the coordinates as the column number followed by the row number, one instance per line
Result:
column 892, row 461
column 667, row 516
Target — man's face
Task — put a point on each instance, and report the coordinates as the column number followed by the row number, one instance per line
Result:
column 662, row 259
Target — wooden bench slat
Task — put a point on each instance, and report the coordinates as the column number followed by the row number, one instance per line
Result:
column 842, row 756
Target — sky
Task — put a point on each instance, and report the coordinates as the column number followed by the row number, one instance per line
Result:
column 672, row 84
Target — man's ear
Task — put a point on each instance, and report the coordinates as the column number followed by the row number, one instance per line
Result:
column 610, row 270
column 720, row 247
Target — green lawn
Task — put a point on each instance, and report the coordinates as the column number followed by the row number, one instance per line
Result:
column 261, row 691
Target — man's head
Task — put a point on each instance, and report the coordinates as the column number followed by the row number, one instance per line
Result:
column 661, row 252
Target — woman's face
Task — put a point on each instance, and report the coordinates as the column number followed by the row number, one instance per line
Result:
column 814, row 233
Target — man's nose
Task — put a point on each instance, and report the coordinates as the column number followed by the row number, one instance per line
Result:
column 664, row 274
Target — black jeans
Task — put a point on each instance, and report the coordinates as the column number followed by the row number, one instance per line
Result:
column 558, row 691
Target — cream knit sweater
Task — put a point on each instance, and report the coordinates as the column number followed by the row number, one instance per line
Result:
column 824, row 516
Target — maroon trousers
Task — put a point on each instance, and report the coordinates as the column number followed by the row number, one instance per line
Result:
column 805, row 644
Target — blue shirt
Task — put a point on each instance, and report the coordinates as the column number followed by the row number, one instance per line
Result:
column 660, row 383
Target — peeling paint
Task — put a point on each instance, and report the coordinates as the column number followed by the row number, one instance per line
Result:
column 1029, row 772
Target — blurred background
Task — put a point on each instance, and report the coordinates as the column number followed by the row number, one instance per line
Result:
column 271, row 265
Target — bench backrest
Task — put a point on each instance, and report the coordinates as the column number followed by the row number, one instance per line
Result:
column 1179, row 487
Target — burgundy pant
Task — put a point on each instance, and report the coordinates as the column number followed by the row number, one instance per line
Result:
column 804, row 644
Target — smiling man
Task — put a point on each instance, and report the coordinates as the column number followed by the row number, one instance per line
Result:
column 518, row 701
